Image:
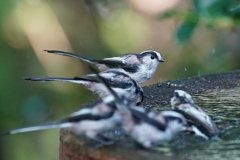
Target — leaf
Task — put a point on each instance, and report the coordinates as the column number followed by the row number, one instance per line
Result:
column 202, row 6
column 180, row 14
column 168, row 14
column 185, row 31
column 190, row 19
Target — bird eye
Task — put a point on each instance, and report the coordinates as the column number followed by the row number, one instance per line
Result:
column 152, row 57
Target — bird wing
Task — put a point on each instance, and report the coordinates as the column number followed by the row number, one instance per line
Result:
column 198, row 118
column 118, row 62
column 142, row 116
column 89, row 114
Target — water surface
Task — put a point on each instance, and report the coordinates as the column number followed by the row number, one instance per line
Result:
column 223, row 106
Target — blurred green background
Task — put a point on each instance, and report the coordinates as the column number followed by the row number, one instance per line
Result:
column 194, row 37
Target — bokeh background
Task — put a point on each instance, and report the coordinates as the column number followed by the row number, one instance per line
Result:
column 195, row 37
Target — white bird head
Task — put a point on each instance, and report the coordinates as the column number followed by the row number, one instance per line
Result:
column 151, row 57
column 181, row 97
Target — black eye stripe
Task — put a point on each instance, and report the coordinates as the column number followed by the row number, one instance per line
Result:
column 149, row 54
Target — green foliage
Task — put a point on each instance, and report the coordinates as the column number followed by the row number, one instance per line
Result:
column 213, row 14
column 217, row 8
column 185, row 30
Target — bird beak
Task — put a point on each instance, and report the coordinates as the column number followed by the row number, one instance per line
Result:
column 161, row 60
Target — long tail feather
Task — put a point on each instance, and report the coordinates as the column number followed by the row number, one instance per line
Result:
column 78, row 80
column 48, row 79
column 36, row 128
column 87, row 59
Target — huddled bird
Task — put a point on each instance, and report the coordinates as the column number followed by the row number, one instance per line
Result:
column 200, row 123
column 118, row 84
column 91, row 121
column 118, row 81
column 140, row 67
column 147, row 128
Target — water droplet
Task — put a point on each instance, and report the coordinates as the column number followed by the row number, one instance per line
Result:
column 168, row 84
column 159, row 85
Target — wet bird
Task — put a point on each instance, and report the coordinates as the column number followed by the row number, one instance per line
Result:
column 147, row 128
column 118, row 81
column 141, row 67
column 91, row 122
column 200, row 123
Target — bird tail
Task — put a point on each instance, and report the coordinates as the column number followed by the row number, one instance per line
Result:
column 78, row 80
column 36, row 128
column 87, row 59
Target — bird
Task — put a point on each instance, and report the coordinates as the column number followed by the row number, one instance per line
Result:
column 141, row 67
column 148, row 128
column 119, row 82
column 91, row 121
column 200, row 123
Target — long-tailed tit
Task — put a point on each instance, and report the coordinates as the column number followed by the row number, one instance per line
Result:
column 141, row 67
column 118, row 81
column 201, row 124
column 147, row 128
column 91, row 121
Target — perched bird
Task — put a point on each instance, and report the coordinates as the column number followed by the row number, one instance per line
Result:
column 200, row 123
column 141, row 67
column 91, row 121
column 147, row 128
column 118, row 81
